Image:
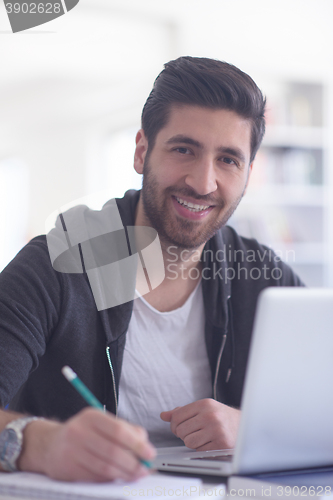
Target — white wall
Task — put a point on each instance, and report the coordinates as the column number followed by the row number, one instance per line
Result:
column 66, row 85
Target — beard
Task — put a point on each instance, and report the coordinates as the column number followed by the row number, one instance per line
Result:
column 173, row 229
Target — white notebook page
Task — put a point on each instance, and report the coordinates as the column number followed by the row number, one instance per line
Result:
column 25, row 484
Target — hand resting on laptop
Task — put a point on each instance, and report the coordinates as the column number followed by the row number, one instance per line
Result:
column 205, row 424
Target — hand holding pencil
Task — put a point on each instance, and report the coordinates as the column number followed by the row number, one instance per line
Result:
column 88, row 396
column 91, row 446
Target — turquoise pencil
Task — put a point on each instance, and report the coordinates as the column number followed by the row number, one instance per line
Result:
column 88, row 396
column 81, row 388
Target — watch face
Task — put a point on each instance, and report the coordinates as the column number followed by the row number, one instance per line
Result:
column 9, row 445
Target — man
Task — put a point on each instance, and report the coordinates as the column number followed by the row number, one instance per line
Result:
column 174, row 362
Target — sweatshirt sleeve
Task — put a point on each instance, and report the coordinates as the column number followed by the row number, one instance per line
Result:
column 30, row 302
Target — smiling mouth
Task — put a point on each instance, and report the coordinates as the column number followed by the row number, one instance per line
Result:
column 193, row 207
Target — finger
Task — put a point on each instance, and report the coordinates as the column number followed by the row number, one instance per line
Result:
column 166, row 415
column 197, row 440
column 177, row 420
column 182, row 414
column 81, row 465
column 124, row 434
column 78, row 452
column 112, row 453
column 101, row 470
column 188, row 427
column 141, row 431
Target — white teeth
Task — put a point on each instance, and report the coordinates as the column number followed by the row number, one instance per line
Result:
column 191, row 206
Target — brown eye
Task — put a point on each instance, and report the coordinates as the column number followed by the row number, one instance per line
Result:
column 183, row 151
column 228, row 160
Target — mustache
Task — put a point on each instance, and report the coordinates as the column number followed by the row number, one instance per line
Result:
column 207, row 199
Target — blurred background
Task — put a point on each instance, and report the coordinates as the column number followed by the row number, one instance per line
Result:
column 72, row 90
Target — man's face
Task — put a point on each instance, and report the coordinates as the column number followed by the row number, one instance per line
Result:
column 195, row 175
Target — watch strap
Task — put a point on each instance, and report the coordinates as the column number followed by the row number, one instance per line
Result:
column 11, row 450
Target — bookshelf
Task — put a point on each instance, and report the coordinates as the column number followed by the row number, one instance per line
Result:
column 288, row 204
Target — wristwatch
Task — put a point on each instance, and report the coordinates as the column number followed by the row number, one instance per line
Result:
column 11, row 439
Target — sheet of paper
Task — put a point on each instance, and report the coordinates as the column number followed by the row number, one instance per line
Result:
column 156, row 485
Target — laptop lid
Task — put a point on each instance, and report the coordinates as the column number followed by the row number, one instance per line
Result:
column 287, row 406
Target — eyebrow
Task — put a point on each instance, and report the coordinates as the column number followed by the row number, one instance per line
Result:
column 183, row 139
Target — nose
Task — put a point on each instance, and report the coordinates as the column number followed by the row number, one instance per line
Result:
column 202, row 177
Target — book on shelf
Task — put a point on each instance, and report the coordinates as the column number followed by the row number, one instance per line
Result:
column 287, row 166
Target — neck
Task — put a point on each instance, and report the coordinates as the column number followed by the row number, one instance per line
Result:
column 180, row 262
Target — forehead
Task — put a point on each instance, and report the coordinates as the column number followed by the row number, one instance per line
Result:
column 213, row 128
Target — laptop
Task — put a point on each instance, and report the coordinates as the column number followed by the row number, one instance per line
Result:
column 287, row 403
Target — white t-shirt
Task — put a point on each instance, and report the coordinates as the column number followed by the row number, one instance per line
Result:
column 165, row 365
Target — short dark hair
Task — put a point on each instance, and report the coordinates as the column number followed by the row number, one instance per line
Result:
column 209, row 83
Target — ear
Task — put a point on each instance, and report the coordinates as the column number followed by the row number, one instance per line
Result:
column 140, row 151
column 248, row 177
